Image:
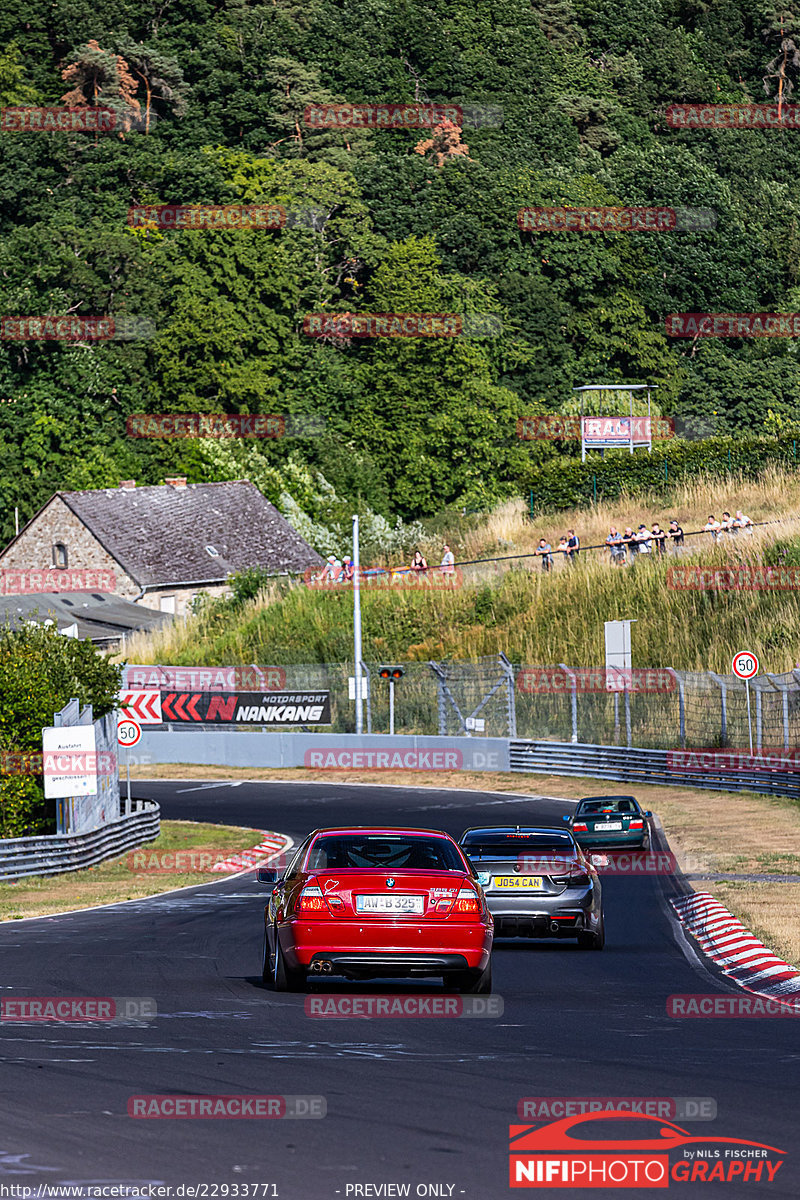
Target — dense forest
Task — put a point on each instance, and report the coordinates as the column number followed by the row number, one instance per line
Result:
column 212, row 100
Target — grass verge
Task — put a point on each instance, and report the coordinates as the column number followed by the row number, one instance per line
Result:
column 726, row 832
column 116, row 879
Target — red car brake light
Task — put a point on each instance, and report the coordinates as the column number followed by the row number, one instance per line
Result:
column 311, row 900
column 467, row 901
column 581, row 826
column 636, row 825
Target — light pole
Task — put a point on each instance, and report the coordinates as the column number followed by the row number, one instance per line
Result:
column 357, row 627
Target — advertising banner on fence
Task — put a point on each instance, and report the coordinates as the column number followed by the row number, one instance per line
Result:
column 247, row 708
column 70, row 762
column 203, row 679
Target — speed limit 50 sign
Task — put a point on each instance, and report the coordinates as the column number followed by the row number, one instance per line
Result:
column 128, row 732
column 745, row 664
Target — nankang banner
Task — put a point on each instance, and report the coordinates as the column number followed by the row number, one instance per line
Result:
column 247, row 708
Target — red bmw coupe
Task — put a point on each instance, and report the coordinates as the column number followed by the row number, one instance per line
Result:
column 369, row 903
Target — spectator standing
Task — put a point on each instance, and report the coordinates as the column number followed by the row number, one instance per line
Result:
column 448, row 561
column 675, row 534
column 419, row 562
column 630, row 544
column 644, row 540
column 713, row 527
column 741, row 521
column 727, row 524
column 562, row 548
column 332, row 569
column 659, row 539
column 573, row 546
column 615, row 545
column 348, row 570
column 546, row 551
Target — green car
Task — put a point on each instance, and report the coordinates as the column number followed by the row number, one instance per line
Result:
column 610, row 821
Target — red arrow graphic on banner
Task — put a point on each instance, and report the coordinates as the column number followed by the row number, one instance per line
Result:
column 149, row 707
column 179, row 709
column 190, row 707
column 166, row 706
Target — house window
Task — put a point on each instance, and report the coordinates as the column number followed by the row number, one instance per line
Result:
column 212, row 551
column 60, row 556
column 167, row 604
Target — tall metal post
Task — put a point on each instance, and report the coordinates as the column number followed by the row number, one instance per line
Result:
column 357, row 628
column 391, row 708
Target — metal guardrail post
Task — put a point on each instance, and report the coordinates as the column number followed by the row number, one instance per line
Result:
column 573, row 699
column 723, row 720
column 511, row 693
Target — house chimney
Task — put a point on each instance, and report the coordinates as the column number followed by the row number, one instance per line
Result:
column 127, row 485
column 176, row 481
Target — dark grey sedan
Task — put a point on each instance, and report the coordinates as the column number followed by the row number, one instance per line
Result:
column 538, row 883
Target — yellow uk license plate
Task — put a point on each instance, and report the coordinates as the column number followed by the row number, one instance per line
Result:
column 526, row 883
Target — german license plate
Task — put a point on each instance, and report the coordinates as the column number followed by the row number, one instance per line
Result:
column 391, row 904
column 524, row 883
column 607, row 826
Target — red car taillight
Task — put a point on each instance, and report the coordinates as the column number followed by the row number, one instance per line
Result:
column 311, row 900
column 467, row 901
column 581, row 826
column 636, row 825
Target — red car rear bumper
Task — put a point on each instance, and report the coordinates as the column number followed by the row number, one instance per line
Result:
column 301, row 940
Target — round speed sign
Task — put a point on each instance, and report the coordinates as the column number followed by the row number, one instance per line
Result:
column 128, row 732
column 745, row 664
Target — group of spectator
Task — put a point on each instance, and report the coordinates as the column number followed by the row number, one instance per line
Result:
column 625, row 547
column 343, row 571
column 569, row 546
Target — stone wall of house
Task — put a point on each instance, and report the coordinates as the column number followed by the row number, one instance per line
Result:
column 179, row 598
column 33, row 552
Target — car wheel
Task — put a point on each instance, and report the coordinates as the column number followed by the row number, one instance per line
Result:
column 283, row 978
column 593, row 941
column 476, row 984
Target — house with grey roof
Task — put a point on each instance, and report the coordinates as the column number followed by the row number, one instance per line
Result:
column 155, row 546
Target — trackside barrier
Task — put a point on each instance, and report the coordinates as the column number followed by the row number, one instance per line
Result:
column 57, row 853
column 643, row 766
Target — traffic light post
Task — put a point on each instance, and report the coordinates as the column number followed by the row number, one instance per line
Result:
column 392, row 674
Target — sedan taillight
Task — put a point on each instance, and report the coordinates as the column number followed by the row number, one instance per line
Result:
column 467, row 901
column 636, row 825
column 311, row 900
column 581, row 826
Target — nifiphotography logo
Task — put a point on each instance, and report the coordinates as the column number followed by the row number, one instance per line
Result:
column 620, row 1150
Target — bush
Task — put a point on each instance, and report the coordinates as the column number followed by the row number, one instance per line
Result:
column 39, row 672
column 567, row 483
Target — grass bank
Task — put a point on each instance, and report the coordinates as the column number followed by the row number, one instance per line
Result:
column 512, row 607
column 116, row 880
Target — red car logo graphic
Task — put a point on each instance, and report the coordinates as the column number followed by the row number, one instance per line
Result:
column 557, row 1136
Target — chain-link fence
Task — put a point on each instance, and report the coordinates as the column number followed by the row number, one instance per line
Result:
column 492, row 697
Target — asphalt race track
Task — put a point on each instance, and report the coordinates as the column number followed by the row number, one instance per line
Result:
column 419, row 1102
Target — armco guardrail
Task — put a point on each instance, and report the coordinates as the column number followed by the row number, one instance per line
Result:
column 53, row 855
column 642, row 766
